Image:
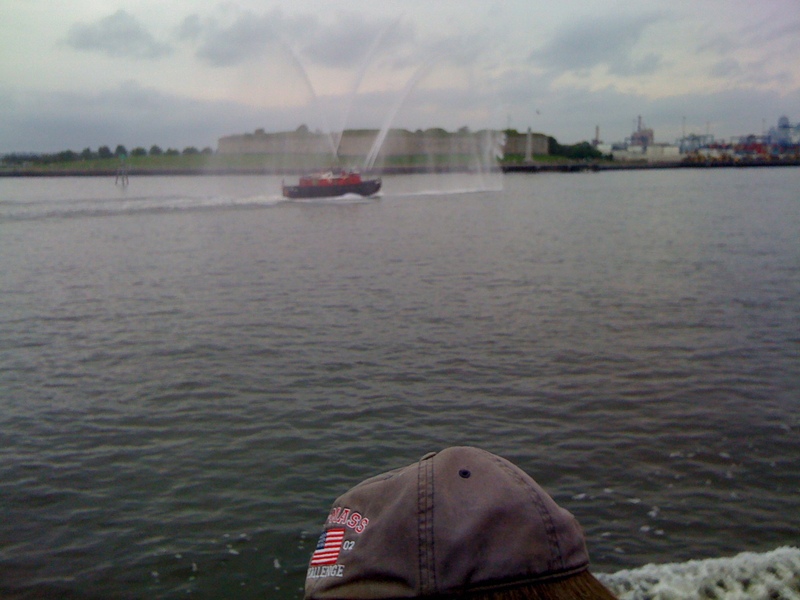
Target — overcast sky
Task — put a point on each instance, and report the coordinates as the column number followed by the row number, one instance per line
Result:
column 179, row 73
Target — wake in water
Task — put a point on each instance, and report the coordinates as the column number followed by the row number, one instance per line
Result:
column 116, row 206
column 432, row 192
column 146, row 195
column 345, row 199
column 748, row 576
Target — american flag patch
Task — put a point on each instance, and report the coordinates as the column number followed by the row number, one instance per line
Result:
column 328, row 547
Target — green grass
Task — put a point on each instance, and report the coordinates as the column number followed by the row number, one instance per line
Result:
column 251, row 162
column 156, row 163
column 513, row 159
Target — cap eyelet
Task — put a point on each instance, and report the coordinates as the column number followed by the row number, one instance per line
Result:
column 464, row 474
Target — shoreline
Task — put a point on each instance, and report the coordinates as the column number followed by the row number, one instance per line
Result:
column 575, row 167
column 640, row 166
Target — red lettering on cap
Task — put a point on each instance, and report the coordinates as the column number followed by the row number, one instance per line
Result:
column 361, row 526
column 334, row 514
column 343, row 517
column 349, row 518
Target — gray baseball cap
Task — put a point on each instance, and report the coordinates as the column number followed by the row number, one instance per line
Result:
column 459, row 520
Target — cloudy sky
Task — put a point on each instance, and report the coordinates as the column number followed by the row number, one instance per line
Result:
column 179, row 73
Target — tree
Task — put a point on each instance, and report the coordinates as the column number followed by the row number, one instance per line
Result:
column 121, row 151
column 156, row 150
column 207, row 150
column 190, row 150
column 437, row 131
column 138, row 151
column 20, row 158
column 171, row 152
column 104, row 152
column 580, row 151
column 87, row 154
column 65, row 156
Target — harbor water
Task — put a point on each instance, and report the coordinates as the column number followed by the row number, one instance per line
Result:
column 192, row 369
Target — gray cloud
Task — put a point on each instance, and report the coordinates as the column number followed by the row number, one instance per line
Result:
column 135, row 115
column 752, row 73
column 129, row 114
column 570, row 114
column 772, row 31
column 787, row 30
column 222, row 45
column 726, row 68
column 769, row 38
column 191, row 28
column 117, row 35
column 346, row 41
column 606, row 41
column 341, row 43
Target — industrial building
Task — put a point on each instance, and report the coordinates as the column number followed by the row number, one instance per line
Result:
column 640, row 146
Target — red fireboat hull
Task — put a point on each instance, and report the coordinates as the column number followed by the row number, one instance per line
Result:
column 362, row 188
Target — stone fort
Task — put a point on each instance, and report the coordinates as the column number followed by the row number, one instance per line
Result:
column 398, row 143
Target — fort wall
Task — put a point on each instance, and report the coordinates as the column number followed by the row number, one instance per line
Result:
column 398, row 142
column 518, row 144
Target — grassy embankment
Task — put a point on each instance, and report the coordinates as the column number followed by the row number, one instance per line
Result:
column 519, row 159
column 246, row 163
column 165, row 163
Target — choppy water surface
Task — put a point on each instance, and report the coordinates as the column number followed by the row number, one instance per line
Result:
column 192, row 369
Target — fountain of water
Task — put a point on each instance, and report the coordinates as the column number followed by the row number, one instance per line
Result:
column 369, row 162
column 461, row 161
column 314, row 97
column 365, row 64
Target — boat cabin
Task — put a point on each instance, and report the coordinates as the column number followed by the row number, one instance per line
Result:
column 330, row 178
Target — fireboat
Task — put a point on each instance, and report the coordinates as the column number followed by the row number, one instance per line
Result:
column 332, row 183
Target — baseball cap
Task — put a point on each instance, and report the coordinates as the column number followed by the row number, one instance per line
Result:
column 460, row 520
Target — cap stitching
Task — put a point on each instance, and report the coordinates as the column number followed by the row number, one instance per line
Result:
column 427, row 572
column 556, row 558
column 420, row 523
column 503, row 584
column 432, row 553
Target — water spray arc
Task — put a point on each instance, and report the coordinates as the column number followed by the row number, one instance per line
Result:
column 369, row 162
column 463, row 161
column 360, row 78
column 314, row 97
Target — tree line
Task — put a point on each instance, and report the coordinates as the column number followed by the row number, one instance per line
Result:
column 103, row 152
column 579, row 151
